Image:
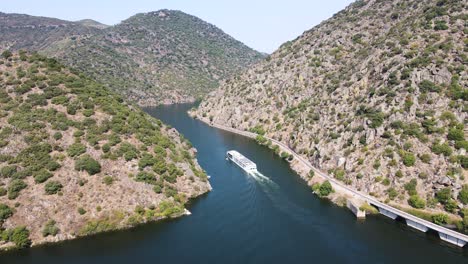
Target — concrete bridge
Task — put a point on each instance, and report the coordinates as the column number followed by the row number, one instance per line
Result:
column 417, row 223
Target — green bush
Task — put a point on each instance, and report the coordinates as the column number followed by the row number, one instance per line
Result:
column 456, row 134
column 58, row 136
column 440, row 219
column 426, row 158
column 325, row 189
column 409, row 159
column 88, row 164
column 146, row 177
column 410, row 187
column 444, row 149
column 416, row 202
column 5, row 212
column 81, row 211
column 15, row 187
column 8, row 171
column 50, row 229
column 463, row 195
column 108, row 180
column 3, row 191
column 42, row 176
column 76, row 149
column 444, row 195
column 53, row 187
column 20, row 236
column 7, row 54
column 451, row 205
column 428, row 86
column 146, row 161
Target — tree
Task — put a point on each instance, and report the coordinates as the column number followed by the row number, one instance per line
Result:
column 53, row 187
column 325, row 189
column 87, row 163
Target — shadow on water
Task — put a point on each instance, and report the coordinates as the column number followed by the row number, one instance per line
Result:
column 273, row 218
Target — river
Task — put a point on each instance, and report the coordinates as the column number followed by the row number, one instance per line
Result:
column 245, row 219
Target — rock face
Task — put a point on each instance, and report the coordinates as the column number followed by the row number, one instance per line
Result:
column 75, row 159
column 376, row 96
column 158, row 57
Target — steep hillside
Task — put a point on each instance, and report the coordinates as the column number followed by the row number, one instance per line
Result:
column 75, row 159
column 376, row 96
column 159, row 56
column 91, row 23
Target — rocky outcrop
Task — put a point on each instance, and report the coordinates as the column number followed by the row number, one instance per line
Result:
column 375, row 96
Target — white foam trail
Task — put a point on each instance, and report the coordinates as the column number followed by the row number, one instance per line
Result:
column 280, row 200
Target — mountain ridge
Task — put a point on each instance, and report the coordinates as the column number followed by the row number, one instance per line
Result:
column 375, row 96
column 161, row 54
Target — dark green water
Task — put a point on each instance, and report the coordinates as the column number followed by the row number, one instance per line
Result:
column 249, row 220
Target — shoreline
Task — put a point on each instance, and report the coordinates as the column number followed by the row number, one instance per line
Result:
column 299, row 165
column 10, row 247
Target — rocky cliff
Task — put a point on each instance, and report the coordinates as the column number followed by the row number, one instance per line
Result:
column 158, row 57
column 376, row 96
column 75, row 159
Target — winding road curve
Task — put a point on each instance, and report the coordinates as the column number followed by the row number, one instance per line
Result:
column 416, row 222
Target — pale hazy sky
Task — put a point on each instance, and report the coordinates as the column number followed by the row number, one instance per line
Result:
column 261, row 24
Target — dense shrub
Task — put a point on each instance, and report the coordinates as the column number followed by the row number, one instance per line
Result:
column 428, row 86
column 416, row 202
column 409, row 159
column 88, row 164
column 456, row 134
column 8, row 171
column 20, row 236
column 53, row 187
column 42, row 176
column 15, row 187
column 463, row 195
column 76, row 149
column 444, row 149
column 5, row 212
column 3, row 191
column 444, row 195
column 325, row 189
column 146, row 177
column 50, row 229
column 451, row 206
column 440, row 219
column 108, row 180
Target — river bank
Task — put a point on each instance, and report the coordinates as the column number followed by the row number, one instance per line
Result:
column 276, row 219
column 342, row 195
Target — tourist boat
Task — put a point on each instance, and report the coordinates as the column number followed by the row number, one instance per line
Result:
column 242, row 161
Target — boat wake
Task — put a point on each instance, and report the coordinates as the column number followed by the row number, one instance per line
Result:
column 279, row 199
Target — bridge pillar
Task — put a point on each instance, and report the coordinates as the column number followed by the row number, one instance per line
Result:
column 452, row 240
column 388, row 213
column 417, row 226
column 354, row 207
